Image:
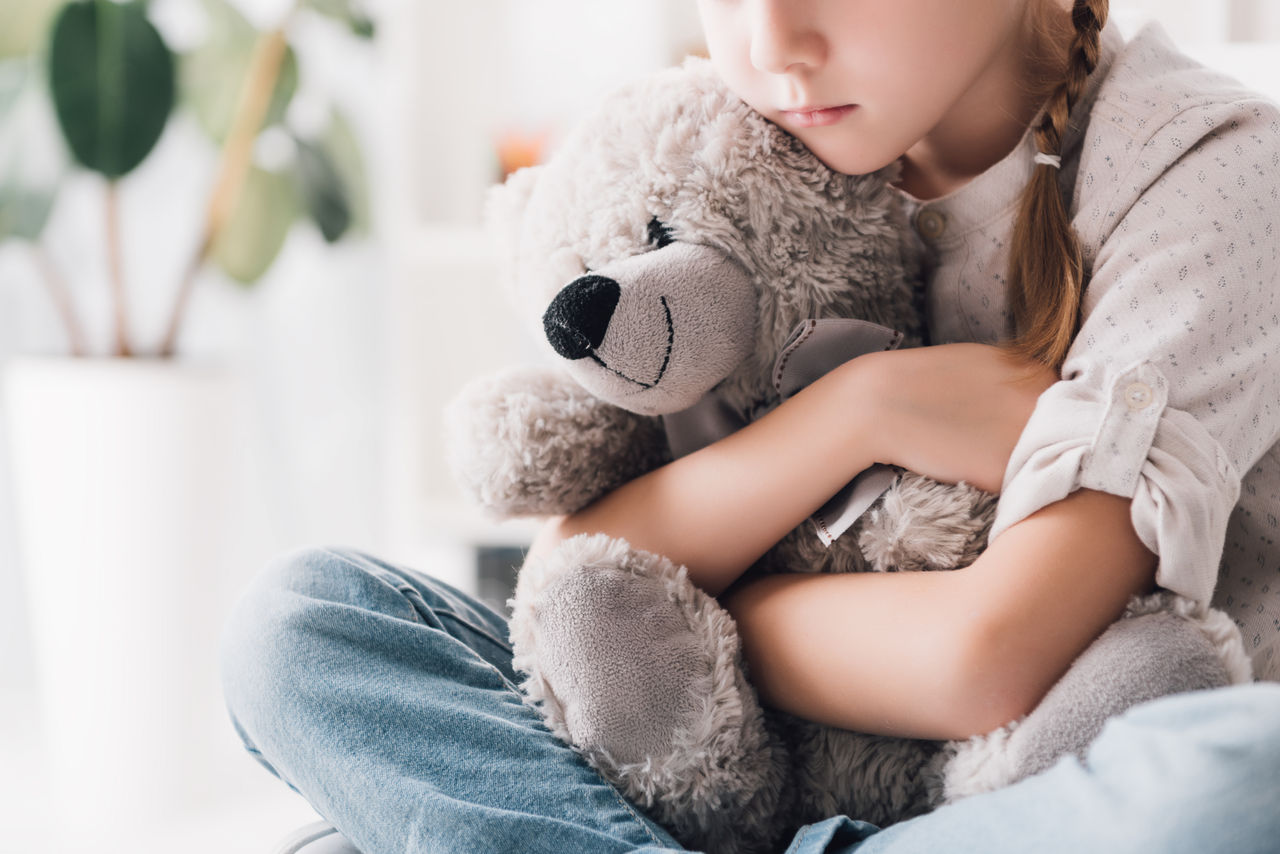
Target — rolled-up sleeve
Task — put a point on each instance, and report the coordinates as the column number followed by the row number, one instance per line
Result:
column 1171, row 389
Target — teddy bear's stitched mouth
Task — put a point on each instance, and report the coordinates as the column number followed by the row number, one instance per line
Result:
column 666, row 357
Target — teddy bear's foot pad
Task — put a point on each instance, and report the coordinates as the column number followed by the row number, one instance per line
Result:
column 1156, row 650
column 641, row 672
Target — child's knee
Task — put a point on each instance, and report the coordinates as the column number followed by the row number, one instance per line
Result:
column 1199, row 766
column 1226, row 722
column 264, row 637
column 317, row 572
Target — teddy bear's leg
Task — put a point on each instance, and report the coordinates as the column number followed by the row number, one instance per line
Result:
column 641, row 672
column 1162, row 645
column 872, row 778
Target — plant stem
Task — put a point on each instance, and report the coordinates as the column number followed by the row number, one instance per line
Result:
column 115, row 264
column 233, row 165
column 61, row 299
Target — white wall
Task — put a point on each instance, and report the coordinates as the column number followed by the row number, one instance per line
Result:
column 1210, row 21
column 467, row 71
column 1238, row 37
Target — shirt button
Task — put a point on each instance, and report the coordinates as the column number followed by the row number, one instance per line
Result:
column 1138, row 396
column 930, row 223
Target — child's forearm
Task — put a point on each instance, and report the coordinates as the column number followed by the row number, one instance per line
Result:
column 946, row 654
column 718, row 510
column 951, row 412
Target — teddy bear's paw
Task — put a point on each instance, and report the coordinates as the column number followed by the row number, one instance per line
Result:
column 641, row 672
column 531, row 441
column 921, row 524
column 1149, row 653
column 874, row 778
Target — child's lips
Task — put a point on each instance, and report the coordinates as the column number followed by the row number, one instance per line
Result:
column 817, row 116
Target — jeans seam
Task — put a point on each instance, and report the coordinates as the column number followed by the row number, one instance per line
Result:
column 627, row 806
column 404, row 589
column 795, row 843
column 439, row 612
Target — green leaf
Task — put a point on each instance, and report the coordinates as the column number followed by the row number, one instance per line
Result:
column 26, row 25
column 24, row 212
column 340, row 141
column 32, row 157
column 257, row 228
column 13, row 79
column 349, row 12
column 286, row 86
column 323, row 192
column 111, row 78
column 214, row 73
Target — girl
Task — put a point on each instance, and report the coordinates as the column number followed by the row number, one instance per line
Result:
column 1100, row 218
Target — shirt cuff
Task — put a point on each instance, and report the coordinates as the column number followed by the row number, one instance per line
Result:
column 1126, row 441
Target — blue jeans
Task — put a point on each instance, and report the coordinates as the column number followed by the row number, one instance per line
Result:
column 387, row 699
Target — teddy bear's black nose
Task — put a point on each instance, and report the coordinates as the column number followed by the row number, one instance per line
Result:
column 578, row 317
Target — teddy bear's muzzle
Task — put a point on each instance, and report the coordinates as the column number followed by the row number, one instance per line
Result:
column 654, row 331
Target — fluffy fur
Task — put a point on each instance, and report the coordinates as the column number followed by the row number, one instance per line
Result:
column 692, row 749
column 627, row 660
column 544, row 437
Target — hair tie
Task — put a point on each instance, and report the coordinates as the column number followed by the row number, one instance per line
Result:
column 1049, row 159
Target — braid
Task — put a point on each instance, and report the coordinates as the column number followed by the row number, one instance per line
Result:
column 1046, row 270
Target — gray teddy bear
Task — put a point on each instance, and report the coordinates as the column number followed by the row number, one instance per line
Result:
column 689, row 266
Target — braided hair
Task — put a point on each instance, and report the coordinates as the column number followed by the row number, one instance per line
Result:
column 1046, row 269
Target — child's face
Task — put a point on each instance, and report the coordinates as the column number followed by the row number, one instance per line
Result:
column 909, row 66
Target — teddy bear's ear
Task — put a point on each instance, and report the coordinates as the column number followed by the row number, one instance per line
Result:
column 504, row 208
column 505, row 204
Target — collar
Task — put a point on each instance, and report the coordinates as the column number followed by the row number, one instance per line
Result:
column 989, row 196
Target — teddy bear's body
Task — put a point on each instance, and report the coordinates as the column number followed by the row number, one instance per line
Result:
column 670, row 249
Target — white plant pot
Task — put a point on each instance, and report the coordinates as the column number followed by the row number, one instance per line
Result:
column 126, row 476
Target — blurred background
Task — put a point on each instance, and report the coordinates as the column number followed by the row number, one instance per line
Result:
column 281, row 225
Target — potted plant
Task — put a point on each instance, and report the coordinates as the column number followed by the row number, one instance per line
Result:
column 123, row 464
column 238, row 84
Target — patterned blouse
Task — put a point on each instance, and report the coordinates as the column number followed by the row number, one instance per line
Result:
column 1170, row 394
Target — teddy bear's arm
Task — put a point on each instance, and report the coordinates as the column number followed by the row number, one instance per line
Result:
column 532, row 442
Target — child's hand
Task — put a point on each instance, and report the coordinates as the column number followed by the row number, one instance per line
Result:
column 953, row 412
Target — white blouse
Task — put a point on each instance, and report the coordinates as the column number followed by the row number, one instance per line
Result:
column 1170, row 394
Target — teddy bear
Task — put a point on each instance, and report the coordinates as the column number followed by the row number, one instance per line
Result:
column 688, row 265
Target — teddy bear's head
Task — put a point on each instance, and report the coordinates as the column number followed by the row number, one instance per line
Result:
column 676, row 237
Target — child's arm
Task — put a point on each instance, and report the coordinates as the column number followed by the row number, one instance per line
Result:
column 718, row 510
column 946, row 654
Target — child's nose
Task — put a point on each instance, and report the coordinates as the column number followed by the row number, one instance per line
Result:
column 783, row 37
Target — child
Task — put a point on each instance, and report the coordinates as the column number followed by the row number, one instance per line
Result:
column 1100, row 219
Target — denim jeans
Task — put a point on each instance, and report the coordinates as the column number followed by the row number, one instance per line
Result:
column 387, row 699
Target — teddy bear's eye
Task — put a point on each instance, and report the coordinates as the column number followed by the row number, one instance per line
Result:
column 659, row 234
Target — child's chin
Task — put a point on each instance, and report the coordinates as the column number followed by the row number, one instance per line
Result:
column 854, row 164
column 847, row 160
